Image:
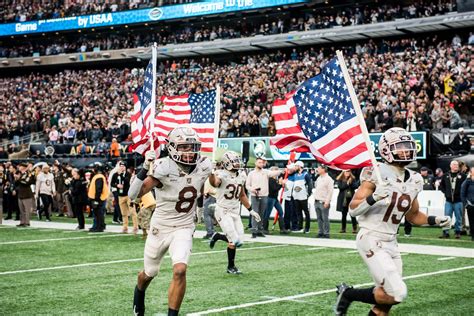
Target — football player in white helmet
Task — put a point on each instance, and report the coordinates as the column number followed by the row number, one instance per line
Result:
column 178, row 181
column 380, row 208
column 230, row 192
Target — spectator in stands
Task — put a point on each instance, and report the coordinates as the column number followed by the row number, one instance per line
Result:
column 467, row 197
column 114, row 149
column 53, row 136
column 347, row 184
column 45, row 190
column 3, row 153
column 461, row 143
column 423, row 121
column 451, row 187
column 79, row 196
column 3, row 180
column 323, row 190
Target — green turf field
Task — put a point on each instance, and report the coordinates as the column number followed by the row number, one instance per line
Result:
column 46, row 271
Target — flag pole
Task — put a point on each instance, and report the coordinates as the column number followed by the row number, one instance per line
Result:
column 151, row 127
column 217, row 119
column 359, row 115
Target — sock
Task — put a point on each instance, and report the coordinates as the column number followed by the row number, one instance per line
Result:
column 172, row 312
column 361, row 295
column 221, row 237
column 230, row 257
column 139, row 299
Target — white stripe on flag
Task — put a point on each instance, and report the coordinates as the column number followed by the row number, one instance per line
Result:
column 334, row 134
column 346, row 147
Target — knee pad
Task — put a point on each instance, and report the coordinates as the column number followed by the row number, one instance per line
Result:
column 151, row 270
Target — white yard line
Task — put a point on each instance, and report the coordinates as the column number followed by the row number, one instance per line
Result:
column 297, row 301
column 298, row 296
column 59, row 239
column 446, row 258
column 315, row 248
column 352, row 251
column 89, row 264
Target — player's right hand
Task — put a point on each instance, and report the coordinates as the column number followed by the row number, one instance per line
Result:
column 150, row 157
column 382, row 190
column 256, row 216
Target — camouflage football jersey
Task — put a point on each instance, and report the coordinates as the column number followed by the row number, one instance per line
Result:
column 228, row 193
column 385, row 215
column 176, row 198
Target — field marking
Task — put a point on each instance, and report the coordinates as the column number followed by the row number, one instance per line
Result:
column 315, row 248
column 352, row 251
column 295, row 300
column 446, row 258
column 298, row 296
column 124, row 260
column 59, row 239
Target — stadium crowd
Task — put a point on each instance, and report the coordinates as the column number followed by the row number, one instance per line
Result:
column 21, row 11
column 416, row 84
column 188, row 34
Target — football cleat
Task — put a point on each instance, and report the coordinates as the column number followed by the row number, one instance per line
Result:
column 342, row 303
column 234, row 270
column 213, row 240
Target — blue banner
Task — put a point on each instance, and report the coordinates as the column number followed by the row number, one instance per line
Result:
column 207, row 7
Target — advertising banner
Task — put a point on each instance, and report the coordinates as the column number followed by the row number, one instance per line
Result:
column 181, row 11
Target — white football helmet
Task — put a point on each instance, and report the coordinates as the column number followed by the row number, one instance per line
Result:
column 184, row 145
column 231, row 161
column 396, row 145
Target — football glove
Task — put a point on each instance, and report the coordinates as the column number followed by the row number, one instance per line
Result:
column 150, row 157
column 381, row 191
column 255, row 215
column 443, row 221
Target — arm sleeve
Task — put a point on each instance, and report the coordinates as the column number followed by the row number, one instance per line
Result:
column 136, row 184
column 99, row 185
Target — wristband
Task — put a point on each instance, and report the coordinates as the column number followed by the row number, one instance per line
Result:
column 250, row 208
column 370, row 200
column 431, row 220
column 142, row 174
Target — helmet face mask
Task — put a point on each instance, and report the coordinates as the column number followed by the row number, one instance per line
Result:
column 396, row 145
column 231, row 161
column 184, row 146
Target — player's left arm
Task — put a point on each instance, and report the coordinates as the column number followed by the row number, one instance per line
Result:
column 416, row 217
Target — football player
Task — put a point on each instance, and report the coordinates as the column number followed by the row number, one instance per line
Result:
column 230, row 192
column 380, row 208
column 178, row 181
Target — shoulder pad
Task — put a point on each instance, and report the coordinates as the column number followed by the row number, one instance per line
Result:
column 161, row 168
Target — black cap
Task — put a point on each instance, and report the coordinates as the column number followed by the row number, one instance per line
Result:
column 424, row 168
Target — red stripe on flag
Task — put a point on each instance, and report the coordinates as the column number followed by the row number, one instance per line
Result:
column 341, row 139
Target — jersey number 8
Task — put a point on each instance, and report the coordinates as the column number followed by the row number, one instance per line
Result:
column 403, row 205
column 186, row 198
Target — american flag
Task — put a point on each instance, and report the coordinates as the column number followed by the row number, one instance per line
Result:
column 195, row 110
column 144, row 103
column 320, row 118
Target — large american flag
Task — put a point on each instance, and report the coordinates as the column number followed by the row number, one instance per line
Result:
column 144, row 103
column 320, row 118
column 195, row 110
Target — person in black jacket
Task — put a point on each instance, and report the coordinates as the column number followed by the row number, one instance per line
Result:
column 347, row 183
column 451, row 187
column 78, row 187
column 274, row 186
column 121, row 182
column 467, row 197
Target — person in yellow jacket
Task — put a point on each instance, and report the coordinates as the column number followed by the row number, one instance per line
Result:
column 147, row 206
column 98, row 192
